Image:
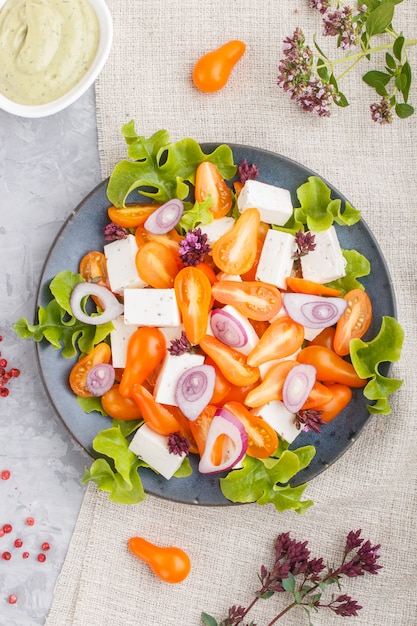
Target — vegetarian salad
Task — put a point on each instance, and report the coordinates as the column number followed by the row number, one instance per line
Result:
column 218, row 320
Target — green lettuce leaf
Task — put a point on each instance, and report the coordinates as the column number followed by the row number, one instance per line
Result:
column 318, row 210
column 194, row 214
column 266, row 480
column 162, row 170
column 357, row 265
column 58, row 326
column 121, row 479
column 366, row 357
column 89, row 405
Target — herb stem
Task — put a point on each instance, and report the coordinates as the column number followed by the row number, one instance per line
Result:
column 359, row 55
column 277, row 617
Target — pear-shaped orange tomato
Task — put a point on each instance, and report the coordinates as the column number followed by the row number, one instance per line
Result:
column 235, row 251
column 213, row 69
column 170, row 564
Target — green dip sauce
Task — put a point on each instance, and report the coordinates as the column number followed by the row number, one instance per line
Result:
column 46, row 47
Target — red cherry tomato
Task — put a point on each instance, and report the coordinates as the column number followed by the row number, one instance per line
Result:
column 254, row 299
column 78, row 375
column 156, row 265
column 170, row 564
column 145, row 351
column 235, row 251
column 193, row 294
column 354, row 322
column 209, row 182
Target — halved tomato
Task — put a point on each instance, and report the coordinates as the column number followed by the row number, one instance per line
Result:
column 78, row 375
column 193, row 295
column 354, row 322
column 235, row 251
column 262, row 438
column 131, row 215
column 231, row 363
column 254, row 299
column 156, row 265
column 209, row 182
column 170, row 240
column 281, row 339
column 93, row 268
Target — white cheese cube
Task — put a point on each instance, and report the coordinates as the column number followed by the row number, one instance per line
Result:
column 121, row 268
column 281, row 420
column 276, row 260
column 247, row 326
column 152, row 448
column 151, row 307
column 326, row 262
column 172, row 368
column 171, row 333
column 217, row 228
column 119, row 338
column 273, row 203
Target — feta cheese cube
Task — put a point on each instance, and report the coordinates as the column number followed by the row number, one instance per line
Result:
column 121, row 268
column 276, row 260
column 274, row 203
column 151, row 307
column 326, row 262
column 119, row 338
column 217, row 228
column 172, row 368
column 171, row 333
column 152, row 448
column 247, row 326
column 281, row 420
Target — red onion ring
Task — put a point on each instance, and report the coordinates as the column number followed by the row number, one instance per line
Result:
column 297, row 386
column 224, row 423
column 314, row 311
column 194, row 390
column 228, row 329
column 112, row 308
column 165, row 217
column 100, row 378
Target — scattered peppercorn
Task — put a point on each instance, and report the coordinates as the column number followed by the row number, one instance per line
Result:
column 25, row 555
column 30, row 521
column 5, row 376
column 12, row 599
column 7, row 528
column 41, row 557
column 5, row 475
column 6, row 556
column 18, row 543
column 46, row 546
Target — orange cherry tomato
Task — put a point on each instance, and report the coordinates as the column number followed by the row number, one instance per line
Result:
column 93, row 268
column 221, row 385
column 330, row 366
column 231, row 363
column 235, row 251
column 261, row 235
column 193, row 294
column 170, row 564
column 302, row 285
column 325, row 338
column 184, row 424
column 156, row 416
column 118, row 407
column 101, row 353
column 213, row 69
column 170, row 240
column 209, row 182
column 156, row 265
column 201, row 425
column 271, row 386
column 238, row 393
column 208, row 271
column 319, row 395
column 145, row 351
column 254, row 299
column 262, row 438
column 354, row 322
column 281, row 339
column 341, row 396
column 131, row 215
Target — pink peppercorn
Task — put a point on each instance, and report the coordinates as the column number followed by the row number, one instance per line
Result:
column 12, row 599
column 46, row 546
column 41, row 557
column 25, row 555
column 2, row 533
column 5, row 474
column 7, row 528
column 18, row 543
column 6, row 556
column 30, row 521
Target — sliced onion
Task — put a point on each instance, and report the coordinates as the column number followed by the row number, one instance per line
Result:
column 112, row 308
column 224, row 423
column 228, row 329
column 297, row 386
column 194, row 390
column 314, row 311
column 100, row 378
column 165, row 217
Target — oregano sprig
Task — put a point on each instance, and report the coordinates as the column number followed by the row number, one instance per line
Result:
column 312, row 79
column 305, row 579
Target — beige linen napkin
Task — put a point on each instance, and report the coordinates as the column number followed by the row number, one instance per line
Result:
column 373, row 486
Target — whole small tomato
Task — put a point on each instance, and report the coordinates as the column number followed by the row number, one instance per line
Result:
column 145, row 351
column 213, row 69
column 170, row 564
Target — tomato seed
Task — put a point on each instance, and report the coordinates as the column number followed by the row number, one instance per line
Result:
column 18, row 543
column 46, row 546
column 7, row 528
column 30, row 521
column 6, row 556
column 41, row 558
column 5, row 475
column 12, row 599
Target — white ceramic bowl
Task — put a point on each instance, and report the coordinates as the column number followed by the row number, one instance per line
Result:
column 104, row 46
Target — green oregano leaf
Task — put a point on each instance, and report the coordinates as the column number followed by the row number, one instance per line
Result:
column 208, row 620
column 374, row 77
column 380, row 18
column 406, row 71
column 404, row 110
column 398, row 46
column 289, row 583
column 390, row 61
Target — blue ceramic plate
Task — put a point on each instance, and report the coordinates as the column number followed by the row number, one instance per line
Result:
column 83, row 232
